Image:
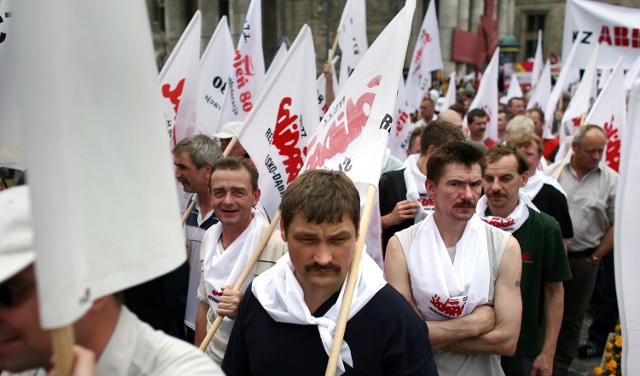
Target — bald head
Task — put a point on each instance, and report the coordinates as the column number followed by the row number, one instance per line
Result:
column 451, row 116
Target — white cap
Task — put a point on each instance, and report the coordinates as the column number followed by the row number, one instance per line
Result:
column 434, row 94
column 16, row 232
column 440, row 102
column 229, row 130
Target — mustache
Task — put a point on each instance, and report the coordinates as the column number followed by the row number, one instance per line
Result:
column 321, row 268
column 497, row 194
column 465, row 204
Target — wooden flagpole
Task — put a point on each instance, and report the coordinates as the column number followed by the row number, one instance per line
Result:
column 243, row 277
column 333, row 48
column 192, row 205
column 569, row 154
column 343, row 316
column 63, row 340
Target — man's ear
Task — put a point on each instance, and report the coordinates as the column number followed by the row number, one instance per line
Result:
column 282, row 231
column 431, row 187
column 525, row 178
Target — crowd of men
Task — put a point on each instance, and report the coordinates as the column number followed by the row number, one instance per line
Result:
column 493, row 252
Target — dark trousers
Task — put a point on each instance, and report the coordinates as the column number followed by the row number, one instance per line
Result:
column 604, row 303
column 577, row 293
column 516, row 365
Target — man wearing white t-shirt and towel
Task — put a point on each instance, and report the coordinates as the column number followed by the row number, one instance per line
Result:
column 227, row 247
column 461, row 274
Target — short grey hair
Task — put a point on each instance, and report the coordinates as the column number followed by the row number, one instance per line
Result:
column 578, row 137
column 520, row 123
column 201, row 148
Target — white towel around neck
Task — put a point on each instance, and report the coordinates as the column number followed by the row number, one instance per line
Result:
column 280, row 294
column 444, row 290
column 415, row 180
column 514, row 221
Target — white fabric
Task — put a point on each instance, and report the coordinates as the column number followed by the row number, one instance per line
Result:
column 444, row 290
column 277, row 60
column 538, row 62
column 96, row 122
column 515, row 91
column 353, row 134
column 626, row 255
column 179, row 83
column 280, row 294
column 426, row 57
column 450, row 97
column 599, row 20
column 632, row 74
column 415, row 181
column 401, row 131
column 222, row 268
column 213, row 78
column 352, row 38
column 282, row 121
column 535, row 183
column 248, row 80
column 561, row 84
column 610, row 112
column 513, row 221
column 542, row 90
column 487, row 96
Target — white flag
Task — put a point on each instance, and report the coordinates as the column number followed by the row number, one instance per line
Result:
column 450, row 97
column 277, row 60
column 581, row 101
column 487, row 96
column 626, row 257
column 542, row 90
column 632, row 74
column 515, row 91
column 115, row 223
column 538, row 62
column 401, row 131
column 179, row 83
column 352, row 136
column 214, row 75
column 248, row 80
column 610, row 112
column 278, row 128
column 426, row 58
column 561, row 84
column 353, row 38
column 11, row 154
column 321, row 88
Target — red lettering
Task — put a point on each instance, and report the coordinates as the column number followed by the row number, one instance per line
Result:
column 605, row 36
column 285, row 138
column 427, row 37
column 635, row 38
column 613, row 144
column 403, row 116
column 173, row 95
column 620, row 36
column 339, row 136
column 450, row 307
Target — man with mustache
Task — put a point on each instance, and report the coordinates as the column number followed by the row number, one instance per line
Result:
column 460, row 273
column 544, row 262
column 287, row 318
column 227, row 247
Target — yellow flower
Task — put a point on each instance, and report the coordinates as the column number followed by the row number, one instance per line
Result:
column 612, row 337
column 617, row 328
column 612, row 364
column 597, row 371
column 607, row 355
column 609, row 346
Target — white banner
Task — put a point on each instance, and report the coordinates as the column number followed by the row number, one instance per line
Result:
column 100, row 173
column 542, row 90
column 277, row 60
column 487, row 96
column 352, row 136
column 632, row 74
column 515, row 91
column 538, row 62
column 615, row 28
column 179, row 83
column 610, row 112
column 277, row 130
column 248, row 79
column 582, row 101
column 399, row 136
column 450, row 97
column 11, row 154
column 215, row 71
column 426, row 57
column 627, row 257
column 561, row 84
column 352, row 39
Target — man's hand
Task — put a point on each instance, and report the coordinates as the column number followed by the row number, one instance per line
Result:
column 406, row 209
column 229, row 301
column 543, row 364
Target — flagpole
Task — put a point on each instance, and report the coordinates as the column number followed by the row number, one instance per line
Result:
column 335, row 45
column 63, row 340
column 569, row 154
column 345, row 306
column 245, row 273
column 192, row 205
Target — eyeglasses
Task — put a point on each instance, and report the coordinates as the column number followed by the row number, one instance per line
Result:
column 11, row 294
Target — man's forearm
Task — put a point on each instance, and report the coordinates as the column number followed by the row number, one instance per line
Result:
column 500, row 340
column 201, row 324
column 553, row 310
column 446, row 332
column 606, row 244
